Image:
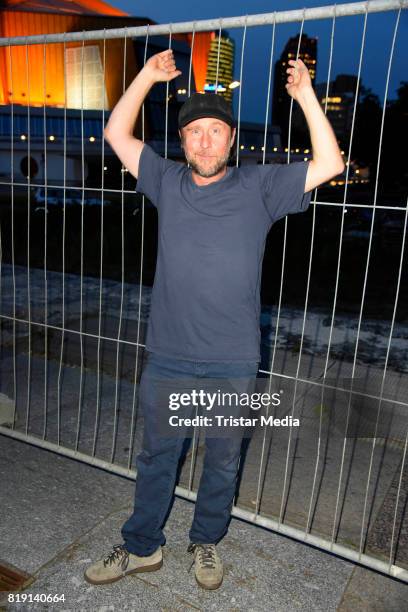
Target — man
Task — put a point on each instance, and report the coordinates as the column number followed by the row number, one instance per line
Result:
column 204, row 318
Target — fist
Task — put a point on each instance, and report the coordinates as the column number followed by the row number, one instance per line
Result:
column 162, row 66
column 298, row 78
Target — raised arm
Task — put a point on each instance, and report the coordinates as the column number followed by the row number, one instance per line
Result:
column 327, row 161
column 119, row 129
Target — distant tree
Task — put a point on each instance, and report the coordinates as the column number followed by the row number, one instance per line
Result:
column 366, row 132
column 393, row 166
column 366, row 139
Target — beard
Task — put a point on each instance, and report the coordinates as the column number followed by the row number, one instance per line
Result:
column 209, row 169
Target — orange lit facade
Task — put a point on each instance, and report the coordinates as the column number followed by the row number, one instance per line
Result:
column 201, row 49
column 86, row 78
column 34, row 74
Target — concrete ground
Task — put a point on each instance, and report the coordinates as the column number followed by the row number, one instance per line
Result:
column 58, row 515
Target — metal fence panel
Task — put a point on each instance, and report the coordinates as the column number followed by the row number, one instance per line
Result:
column 52, row 321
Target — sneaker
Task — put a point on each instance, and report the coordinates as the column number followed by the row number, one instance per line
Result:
column 208, row 566
column 120, row 563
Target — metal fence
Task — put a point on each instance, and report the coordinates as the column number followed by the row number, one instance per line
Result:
column 71, row 348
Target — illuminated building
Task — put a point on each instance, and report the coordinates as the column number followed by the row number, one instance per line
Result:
column 25, row 18
column 281, row 99
column 340, row 103
column 220, row 65
column 25, row 81
column 33, row 17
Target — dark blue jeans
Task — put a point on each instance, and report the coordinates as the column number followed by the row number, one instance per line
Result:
column 157, row 464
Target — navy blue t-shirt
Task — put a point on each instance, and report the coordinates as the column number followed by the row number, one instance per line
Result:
column 205, row 301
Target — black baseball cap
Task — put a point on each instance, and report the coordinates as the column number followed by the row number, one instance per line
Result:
column 200, row 105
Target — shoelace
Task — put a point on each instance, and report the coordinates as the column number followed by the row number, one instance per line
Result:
column 206, row 553
column 119, row 553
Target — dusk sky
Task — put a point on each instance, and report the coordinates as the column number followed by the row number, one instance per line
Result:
column 347, row 43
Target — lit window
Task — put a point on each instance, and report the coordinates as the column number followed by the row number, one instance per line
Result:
column 93, row 93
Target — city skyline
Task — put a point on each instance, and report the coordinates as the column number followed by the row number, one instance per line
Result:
column 346, row 56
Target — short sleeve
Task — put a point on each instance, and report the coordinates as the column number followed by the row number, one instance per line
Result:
column 282, row 188
column 150, row 174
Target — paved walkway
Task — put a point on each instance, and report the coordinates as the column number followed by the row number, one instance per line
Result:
column 59, row 514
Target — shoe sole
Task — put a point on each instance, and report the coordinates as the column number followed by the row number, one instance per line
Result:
column 207, row 587
column 137, row 570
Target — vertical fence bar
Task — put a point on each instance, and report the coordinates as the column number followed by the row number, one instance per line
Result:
column 28, row 246
column 133, row 419
column 45, row 247
column 1, row 278
column 394, row 522
column 239, row 115
column 382, row 385
column 194, row 444
column 240, row 89
column 341, row 236
column 81, row 338
column 166, row 127
column 319, row 437
column 304, row 314
column 63, row 248
column 191, row 60
column 12, row 241
column 122, row 270
column 261, row 472
column 268, row 95
column 218, row 56
column 365, row 280
column 98, row 349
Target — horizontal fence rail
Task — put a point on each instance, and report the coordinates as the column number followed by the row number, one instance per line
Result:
column 72, row 343
column 204, row 25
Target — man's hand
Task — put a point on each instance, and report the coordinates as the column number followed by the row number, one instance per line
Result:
column 298, row 80
column 162, row 67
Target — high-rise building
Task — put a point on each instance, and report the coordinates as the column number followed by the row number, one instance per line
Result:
column 339, row 103
column 220, row 65
column 281, row 99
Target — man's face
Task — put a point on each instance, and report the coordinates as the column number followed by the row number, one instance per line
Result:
column 207, row 143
